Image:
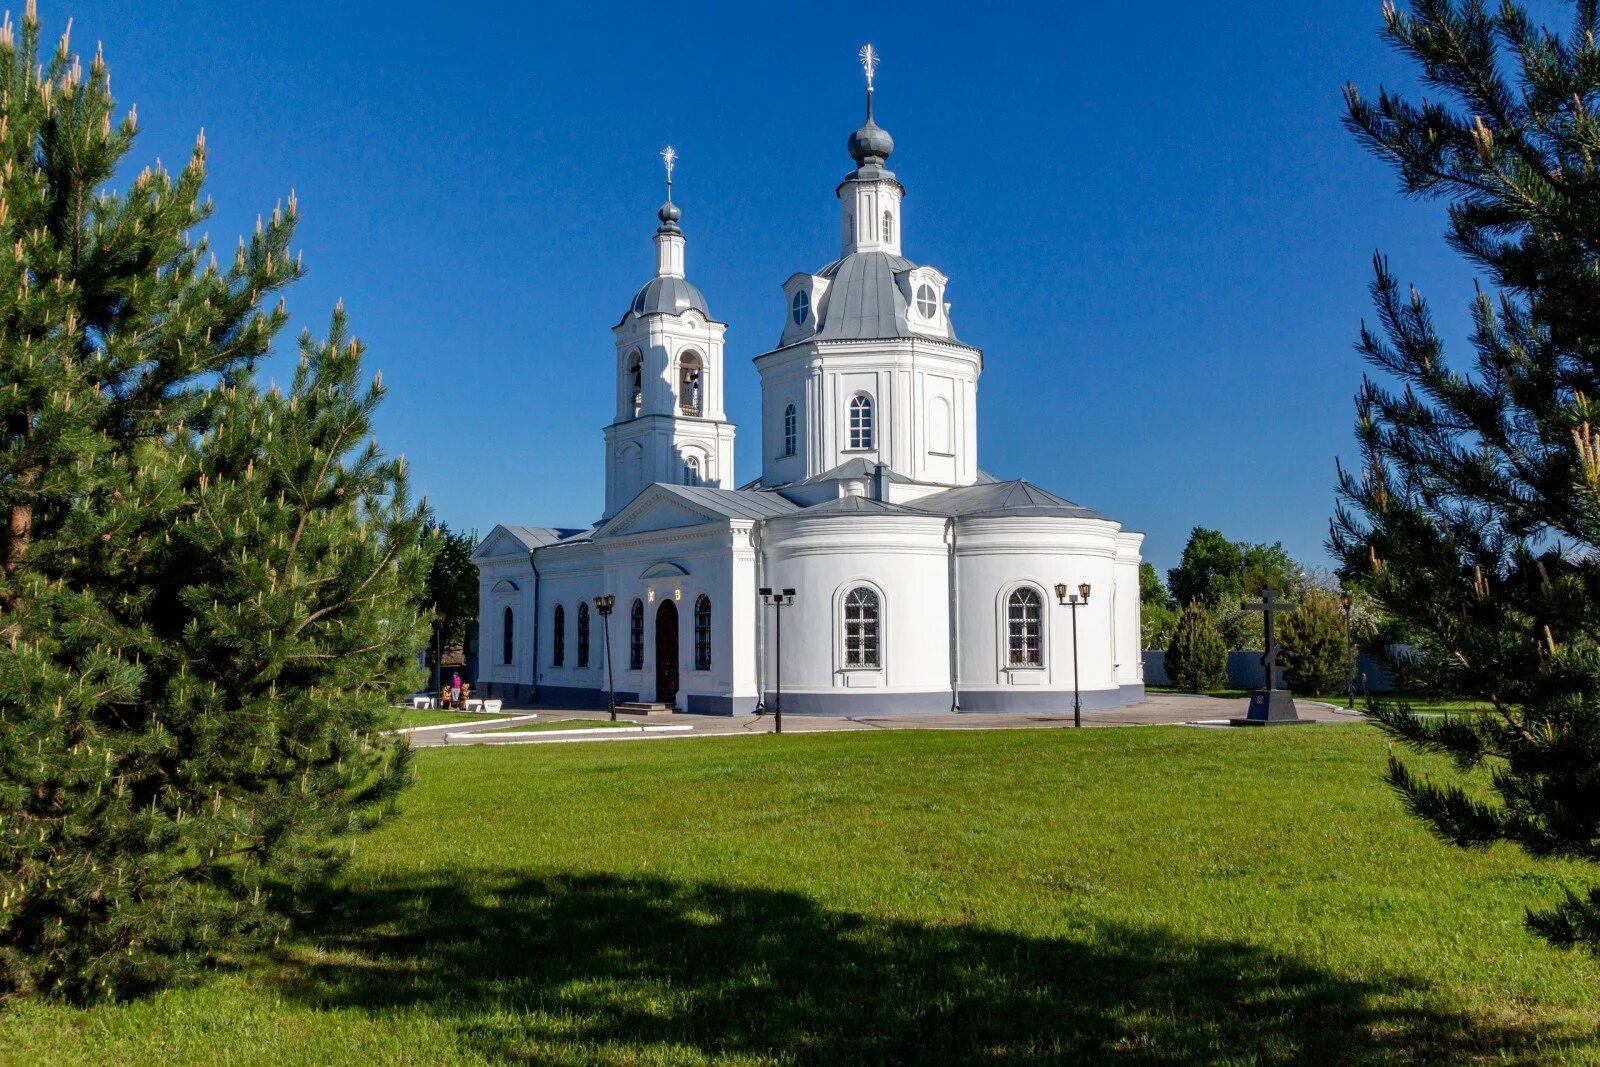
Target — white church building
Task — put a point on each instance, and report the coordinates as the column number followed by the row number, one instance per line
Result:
column 921, row 584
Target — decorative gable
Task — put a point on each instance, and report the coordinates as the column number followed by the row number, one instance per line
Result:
column 656, row 510
column 500, row 542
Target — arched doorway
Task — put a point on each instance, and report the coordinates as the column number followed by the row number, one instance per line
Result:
column 667, row 653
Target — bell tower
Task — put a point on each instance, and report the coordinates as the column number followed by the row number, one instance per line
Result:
column 669, row 424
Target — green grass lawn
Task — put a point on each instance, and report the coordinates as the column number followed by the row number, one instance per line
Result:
column 409, row 717
column 1143, row 895
column 566, row 724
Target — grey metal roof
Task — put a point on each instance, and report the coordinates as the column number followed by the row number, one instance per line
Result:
column 538, row 536
column 859, row 467
column 863, row 302
column 858, row 505
column 734, row 503
column 1003, row 498
column 668, row 296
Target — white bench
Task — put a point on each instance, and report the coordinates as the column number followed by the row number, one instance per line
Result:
column 422, row 703
column 491, row 705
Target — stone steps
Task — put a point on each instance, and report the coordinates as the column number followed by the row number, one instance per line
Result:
column 634, row 707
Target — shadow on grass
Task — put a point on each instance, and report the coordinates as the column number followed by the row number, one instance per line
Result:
column 599, row 969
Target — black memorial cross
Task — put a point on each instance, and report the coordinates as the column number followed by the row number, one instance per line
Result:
column 1269, row 705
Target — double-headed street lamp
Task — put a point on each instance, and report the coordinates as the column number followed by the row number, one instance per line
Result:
column 1073, row 601
column 604, row 604
column 779, row 599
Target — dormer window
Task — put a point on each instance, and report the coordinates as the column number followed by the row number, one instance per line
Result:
column 927, row 301
column 800, row 308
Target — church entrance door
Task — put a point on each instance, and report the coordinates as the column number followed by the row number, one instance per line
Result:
column 667, row 653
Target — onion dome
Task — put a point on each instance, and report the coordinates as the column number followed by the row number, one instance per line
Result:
column 871, row 144
column 669, row 214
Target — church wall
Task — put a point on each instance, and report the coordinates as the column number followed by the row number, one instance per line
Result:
column 903, row 376
column 1130, row 639
column 495, row 677
column 904, row 560
column 718, row 562
column 997, row 555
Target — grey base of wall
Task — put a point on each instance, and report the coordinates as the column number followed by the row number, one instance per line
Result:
column 701, row 704
column 571, row 697
column 937, row 702
column 519, row 694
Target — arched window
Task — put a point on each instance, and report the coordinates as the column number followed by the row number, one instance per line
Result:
column 801, row 307
column 507, row 642
column 888, row 227
column 791, row 430
column 583, row 633
column 1023, row 629
column 635, row 385
column 927, row 302
column 691, row 384
column 691, row 471
column 702, row 633
column 861, row 628
column 558, row 637
column 861, row 435
column 636, row 637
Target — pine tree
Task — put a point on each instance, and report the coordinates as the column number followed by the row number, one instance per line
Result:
column 1316, row 653
column 1196, row 659
column 208, row 591
column 1476, row 517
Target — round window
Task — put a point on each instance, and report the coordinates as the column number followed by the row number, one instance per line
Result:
column 927, row 306
column 801, row 307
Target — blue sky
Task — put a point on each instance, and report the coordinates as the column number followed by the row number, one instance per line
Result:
column 1153, row 223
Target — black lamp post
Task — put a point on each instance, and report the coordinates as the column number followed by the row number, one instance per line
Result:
column 779, row 599
column 1073, row 601
column 604, row 604
column 1350, row 675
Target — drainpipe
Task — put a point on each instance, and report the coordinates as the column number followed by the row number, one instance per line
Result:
column 533, row 680
column 955, row 618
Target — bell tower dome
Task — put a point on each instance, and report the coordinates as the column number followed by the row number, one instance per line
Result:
column 669, row 424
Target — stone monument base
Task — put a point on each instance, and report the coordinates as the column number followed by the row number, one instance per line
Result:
column 1271, row 707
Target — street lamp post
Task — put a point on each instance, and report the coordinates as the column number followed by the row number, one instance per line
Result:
column 1350, row 674
column 779, row 599
column 604, row 604
column 1073, row 601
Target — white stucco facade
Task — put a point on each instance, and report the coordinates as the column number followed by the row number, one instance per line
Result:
column 921, row 583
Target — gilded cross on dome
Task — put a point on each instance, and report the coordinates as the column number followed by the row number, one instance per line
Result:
column 869, row 62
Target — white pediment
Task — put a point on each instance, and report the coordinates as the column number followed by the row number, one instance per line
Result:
column 500, row 542
column 656, row 509
column 505, row 585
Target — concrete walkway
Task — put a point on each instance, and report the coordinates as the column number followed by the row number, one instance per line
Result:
column 1157, row 709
